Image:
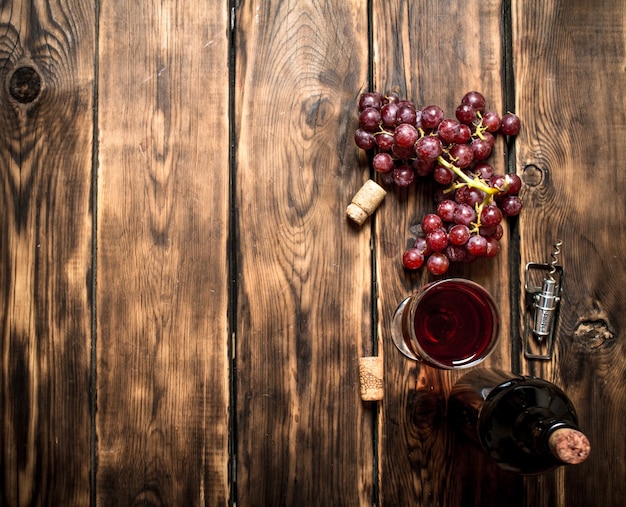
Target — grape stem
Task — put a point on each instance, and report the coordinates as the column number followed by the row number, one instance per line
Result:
column 473, row 183
column 480, row 128
column 470, row 182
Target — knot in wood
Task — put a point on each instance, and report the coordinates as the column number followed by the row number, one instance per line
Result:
column 25, row 85
column 593, row 333
column 532, row 175
column 318, row 112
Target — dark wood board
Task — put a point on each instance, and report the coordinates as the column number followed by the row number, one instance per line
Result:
column 303, row 271
column 569, row 79
column 183, row 302
column 46, row 129
column 162, row 232
column 433, row 53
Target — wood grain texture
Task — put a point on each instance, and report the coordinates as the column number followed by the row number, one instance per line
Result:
column 46, row 128
column 304, row 436
column 135, row 371
column 569, row 67
column 433, row 53
column 163, row 205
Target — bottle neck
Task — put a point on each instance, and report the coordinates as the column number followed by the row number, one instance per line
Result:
column 540, row 430
column 569, row 445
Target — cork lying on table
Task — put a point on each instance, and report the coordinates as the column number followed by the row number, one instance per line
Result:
column 371, row 378
column 365, row 201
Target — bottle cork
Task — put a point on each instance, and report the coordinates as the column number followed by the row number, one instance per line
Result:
column 371, row 378
column 569, row 445
column 365, row 201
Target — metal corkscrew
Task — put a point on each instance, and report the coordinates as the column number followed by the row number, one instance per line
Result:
column 543, row 304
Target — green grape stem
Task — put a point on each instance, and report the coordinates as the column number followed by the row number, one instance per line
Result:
column 473, row 183
column 476, row 225
column 470, row 182
column 480, row 128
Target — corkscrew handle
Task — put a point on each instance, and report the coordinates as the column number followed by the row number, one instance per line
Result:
column 542, row 309
column 546, row 303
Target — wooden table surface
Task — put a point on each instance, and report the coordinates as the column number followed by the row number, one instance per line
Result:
column 183, row 303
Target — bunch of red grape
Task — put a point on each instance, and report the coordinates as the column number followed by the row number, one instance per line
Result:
column 407, row 142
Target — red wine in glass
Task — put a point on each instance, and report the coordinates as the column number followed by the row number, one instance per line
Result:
column 448, row 324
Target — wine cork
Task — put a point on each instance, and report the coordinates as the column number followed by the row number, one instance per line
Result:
column 569, row 445
column 371, row 378
column 365, row 201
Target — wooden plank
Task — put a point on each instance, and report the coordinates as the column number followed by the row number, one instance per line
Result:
column 46, row 127
column 162, row 296
column 433, row 53
column 304, row 274
column 569, row 69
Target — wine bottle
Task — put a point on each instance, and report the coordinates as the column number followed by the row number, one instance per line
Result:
column 525, row 424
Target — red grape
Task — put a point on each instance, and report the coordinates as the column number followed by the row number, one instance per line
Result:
column 493, row 247
column 456, row 253
column 391, row 98
column 412, row 259
column 418, row 119
column 477, row 245
column 469, row 196
column 406, row 114
column 490, row 215
column 466, row 114
column 459, row 234
column 448, row 130
column 500, row 182
column 437, row 240
column 439, row 195
column 491, row 121
column 489, row 137
column 403, row 175
column 481, row 149
column 405, row 135
column 423, row 167
column 438, row 263
column 499, row 232
column 370, row 119
column 388, row 114
column 382, row 162
column 515, row 183
column 483, row 170
column 510, row 124
column 464, row 135
column 370, row 99
column 387, row 178
column 403, row 152
column 474, row 99
column 422, row 246
column 432, row 116
column 384, row 141
column 462, row 155
column 446, row 209
column 364, row 139
column 476, row 196
column 431, row 222
column 511, row 205
column 464, row 214
column 428, row 148
column 490, row 230
column 406, row 102
column 443, row 175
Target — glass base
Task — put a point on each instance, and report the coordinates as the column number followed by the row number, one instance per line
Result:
column 396, row 331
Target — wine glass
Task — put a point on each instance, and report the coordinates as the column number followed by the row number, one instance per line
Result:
column 448, row 324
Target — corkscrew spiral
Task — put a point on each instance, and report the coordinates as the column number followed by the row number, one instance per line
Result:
column 555, row 258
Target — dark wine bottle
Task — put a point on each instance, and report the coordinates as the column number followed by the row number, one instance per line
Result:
column 525, row 424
